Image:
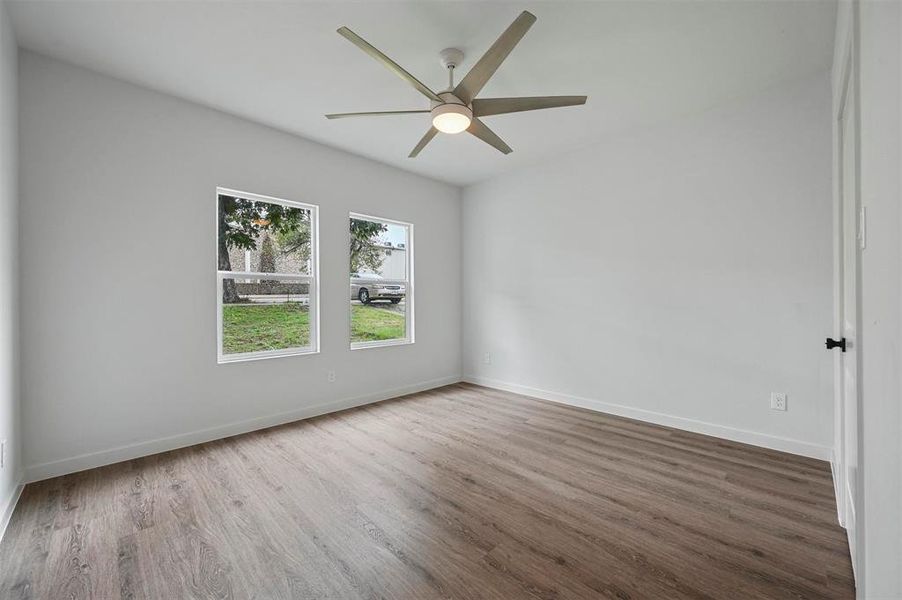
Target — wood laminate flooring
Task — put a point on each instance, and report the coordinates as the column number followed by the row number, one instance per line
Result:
column 458, row 492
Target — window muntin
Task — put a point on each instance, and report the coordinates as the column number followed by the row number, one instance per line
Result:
column 267, row 277
column 381, row 282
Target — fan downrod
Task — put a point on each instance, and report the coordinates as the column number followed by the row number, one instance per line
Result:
column 450, row 58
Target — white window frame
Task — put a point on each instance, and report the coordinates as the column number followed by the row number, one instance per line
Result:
column 408, row 283
column 312, row 279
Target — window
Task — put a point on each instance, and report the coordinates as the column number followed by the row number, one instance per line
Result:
column 381, row 271
column 267, row 277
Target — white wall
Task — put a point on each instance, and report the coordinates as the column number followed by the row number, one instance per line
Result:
column 880, row 105
column 677, row 274
column 9, row 288
column 118, row 271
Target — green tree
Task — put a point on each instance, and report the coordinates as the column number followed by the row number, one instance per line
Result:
column 365, row 254
column 241, row 223
column 267, row 254
column 267, row 262
column 295, row 241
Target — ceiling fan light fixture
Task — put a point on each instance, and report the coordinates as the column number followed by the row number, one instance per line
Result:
column 451, row 118
column 457, row 108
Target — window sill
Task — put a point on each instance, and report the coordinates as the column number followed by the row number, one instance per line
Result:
column 380, row 344
column 252, row 356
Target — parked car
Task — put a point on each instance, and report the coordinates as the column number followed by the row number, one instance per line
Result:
column 367, row 287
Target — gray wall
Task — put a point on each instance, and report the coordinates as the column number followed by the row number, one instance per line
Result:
column 678, row 274
column 10, row 427
column 118, row 187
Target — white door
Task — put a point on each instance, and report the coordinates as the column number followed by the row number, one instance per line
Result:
column 850, row 240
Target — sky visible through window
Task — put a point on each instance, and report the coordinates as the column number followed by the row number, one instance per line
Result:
column 396, row 235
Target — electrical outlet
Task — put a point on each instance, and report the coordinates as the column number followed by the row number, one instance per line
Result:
column 777, row 401
column 331, row 376
column 487, row 358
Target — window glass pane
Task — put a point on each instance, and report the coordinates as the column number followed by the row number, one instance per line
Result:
column 378, row 321
column 379, row 249
column 263, row 237
column 379, row 284
column 264, row 314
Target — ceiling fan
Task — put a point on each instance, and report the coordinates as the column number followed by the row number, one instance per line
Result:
column 457, row 108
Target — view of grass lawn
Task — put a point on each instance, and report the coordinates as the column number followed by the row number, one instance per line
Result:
column 257, row 327
column 375, row 322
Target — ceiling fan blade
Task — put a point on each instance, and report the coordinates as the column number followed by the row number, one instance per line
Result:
column 480, row 130
column 375, row 114
column 479, row 75
column 392, row 65
column 499, row 106
column 422, row 143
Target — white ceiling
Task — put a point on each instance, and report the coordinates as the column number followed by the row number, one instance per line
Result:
column 282, row 64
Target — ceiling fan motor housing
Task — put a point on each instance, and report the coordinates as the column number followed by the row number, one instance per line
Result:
column 447, row 98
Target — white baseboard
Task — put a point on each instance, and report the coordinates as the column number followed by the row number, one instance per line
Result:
column 131, row 451
column 722, row 431
column 6, row 512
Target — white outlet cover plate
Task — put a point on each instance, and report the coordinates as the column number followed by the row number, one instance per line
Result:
column 778, row 401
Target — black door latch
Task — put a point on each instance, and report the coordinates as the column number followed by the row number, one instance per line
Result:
column 831, row 344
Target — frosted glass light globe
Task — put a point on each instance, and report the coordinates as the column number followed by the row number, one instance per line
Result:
column 451, row 118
